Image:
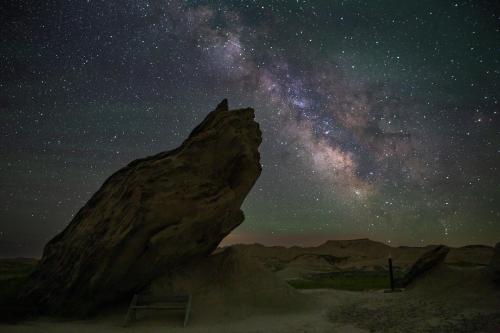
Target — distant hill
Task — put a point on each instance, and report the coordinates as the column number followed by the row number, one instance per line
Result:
column 332, row 256
column 353, row 255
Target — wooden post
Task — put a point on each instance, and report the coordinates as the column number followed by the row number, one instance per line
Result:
column 188, row 311
column 391, row 275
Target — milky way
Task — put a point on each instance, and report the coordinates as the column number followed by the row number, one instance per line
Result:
column 380, row 119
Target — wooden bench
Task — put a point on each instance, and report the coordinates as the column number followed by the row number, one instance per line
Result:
column 148, row 302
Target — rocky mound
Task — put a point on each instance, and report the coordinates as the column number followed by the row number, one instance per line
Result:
column 151, row 216
column 361, row 247
column 229, row 284
column 425, row 263
column 446, row 299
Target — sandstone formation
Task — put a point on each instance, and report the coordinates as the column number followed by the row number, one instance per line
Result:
column 356, row 255
column 230, row 283
column 151, row 216
column 425, row 263
column 495, row 264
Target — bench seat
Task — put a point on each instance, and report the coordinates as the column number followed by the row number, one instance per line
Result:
column 147, row 302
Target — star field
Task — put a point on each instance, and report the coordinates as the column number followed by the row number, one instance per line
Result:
column 380, row 119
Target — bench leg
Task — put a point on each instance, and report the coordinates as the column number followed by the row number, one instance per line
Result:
column 131, row 311
column 188, row 311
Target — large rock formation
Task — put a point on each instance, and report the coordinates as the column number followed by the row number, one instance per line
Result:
column 425, row 263
column 151, row 216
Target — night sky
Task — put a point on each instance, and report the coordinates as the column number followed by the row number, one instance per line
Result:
column 380, row 119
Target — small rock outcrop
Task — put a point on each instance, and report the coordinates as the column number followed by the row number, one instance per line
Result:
column 495, row 264
column 151, row 216
column 424, row 263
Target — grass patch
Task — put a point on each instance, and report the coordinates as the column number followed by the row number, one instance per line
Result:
column 16, row 268
column 343, row 282
column 466, row 264
column 9, row 288
column 13, row 275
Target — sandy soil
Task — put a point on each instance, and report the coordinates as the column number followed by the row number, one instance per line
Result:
column 448, row 300
column 315, row 319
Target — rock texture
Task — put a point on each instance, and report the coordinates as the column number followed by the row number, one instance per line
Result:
column 356, row 255
column 230, row 284
column 151, row 216
column 425, row 263
column 495, row 264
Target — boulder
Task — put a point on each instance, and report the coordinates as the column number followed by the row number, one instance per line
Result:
column 151, row 216
column 424, row 263
column 494, row 265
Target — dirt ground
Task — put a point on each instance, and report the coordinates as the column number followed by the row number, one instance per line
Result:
column 448, row 300
column 315, row 319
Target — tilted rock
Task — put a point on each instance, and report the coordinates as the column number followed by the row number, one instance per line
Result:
column 425, row 263
column 151, row 216
column 495, row 264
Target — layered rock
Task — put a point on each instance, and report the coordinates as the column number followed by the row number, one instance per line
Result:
column 151, row 216
column 424, row 263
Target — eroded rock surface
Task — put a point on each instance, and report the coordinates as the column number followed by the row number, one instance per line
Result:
column 151, row 216
column 230, row 284
column 425, row 263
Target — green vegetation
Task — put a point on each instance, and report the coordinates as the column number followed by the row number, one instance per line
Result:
column 13, row 275
column 466, row 264
column 9, row 288
column 16, row 268
column 355, row 282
